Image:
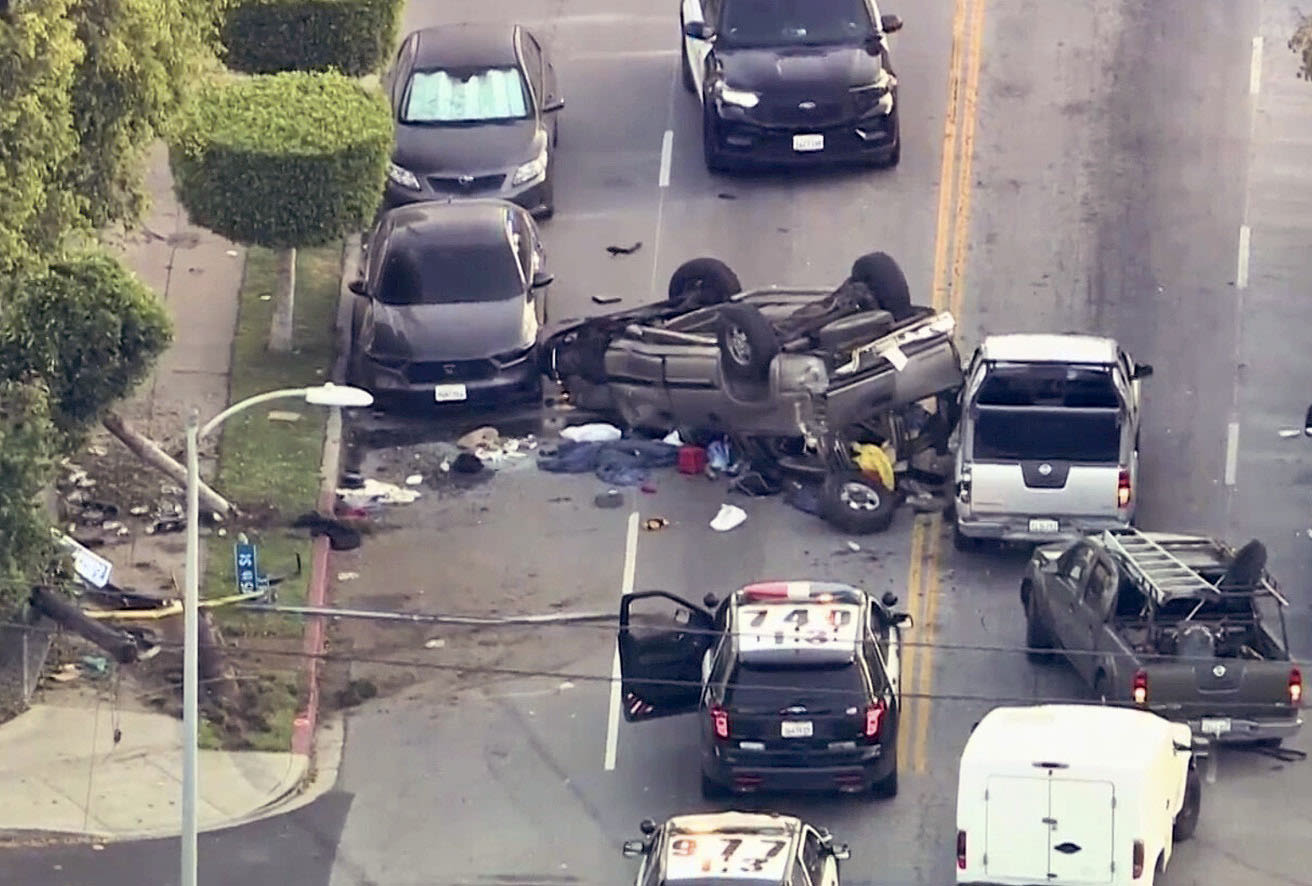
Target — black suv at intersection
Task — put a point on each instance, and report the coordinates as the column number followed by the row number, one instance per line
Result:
column 796, row 683
column 792, row 82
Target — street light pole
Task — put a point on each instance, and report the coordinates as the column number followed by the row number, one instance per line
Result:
column 190, row 655
column 321, row 395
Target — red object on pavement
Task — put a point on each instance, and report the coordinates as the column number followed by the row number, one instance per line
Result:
column 692, row 460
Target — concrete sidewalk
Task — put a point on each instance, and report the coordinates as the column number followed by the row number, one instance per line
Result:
column 61, row 772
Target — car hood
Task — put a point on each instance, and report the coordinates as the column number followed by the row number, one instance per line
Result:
column 462, row 331
column 426, row 150
column 823, row 69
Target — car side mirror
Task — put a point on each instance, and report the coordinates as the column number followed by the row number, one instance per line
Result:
column 358, row 287
column 553, row 103
column 633, row 848
column 841, row 852
column 903, row 618
column 1307, row 422
column 889, row 599
column 1142, row 370
column 648, row 827
column 542, row 278
column 699, row 31
column 710, row 601
column 891, row 24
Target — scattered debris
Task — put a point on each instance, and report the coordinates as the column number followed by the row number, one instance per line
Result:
column 435, row 643
column 66, row 674
column 97, row 451
column 611, row 498
column 596, row 432
column 341, row 537
column 1290, row 432
column 480, row 438
column 926, row 503
column 728, row 517
column 231, row 253
column 648, row 489
column 853, row 546
column 414, row 479
column 376, row 492
column 467, row 463
column 352, row 480
column 755, row 484
column 718, row 455
column 280, row 415
column 673, row 439
column 607, row 299
column 139, row 511
column 97, row 665
column 615, row 462
column 347, row 576
column 624, row 250
column 691, row 460
column 724, row 195
column 656, row 524
column 803, row 496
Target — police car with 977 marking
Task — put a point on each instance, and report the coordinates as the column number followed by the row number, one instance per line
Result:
column 796, row 683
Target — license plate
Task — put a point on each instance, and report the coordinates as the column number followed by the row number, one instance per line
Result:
column 802, row 143
column 797, row 729
column 1043, row 526
column 1214, row 725
column 450, row 393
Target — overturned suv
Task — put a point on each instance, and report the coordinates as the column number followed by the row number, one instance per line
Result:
column 800, row 378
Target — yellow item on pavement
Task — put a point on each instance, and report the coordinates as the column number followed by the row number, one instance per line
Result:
column 872, row 459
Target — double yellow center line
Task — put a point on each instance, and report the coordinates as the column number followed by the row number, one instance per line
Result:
column 951, row 236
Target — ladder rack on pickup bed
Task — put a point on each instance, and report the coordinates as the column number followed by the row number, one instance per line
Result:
column 1154, row 566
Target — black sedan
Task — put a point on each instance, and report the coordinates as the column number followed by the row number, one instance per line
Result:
column 449, row 304
column 474, row 106
column 792, row 82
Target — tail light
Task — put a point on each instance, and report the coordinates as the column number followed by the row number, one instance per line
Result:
column 875, row 719
column 961, row 850
column 1138, row 859
column 1123, row 489
column 720, row 720
column 1139, row 688
column 1295, row 686
column 963, row 486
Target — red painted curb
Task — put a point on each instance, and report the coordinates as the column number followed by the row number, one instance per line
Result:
column 312, row 645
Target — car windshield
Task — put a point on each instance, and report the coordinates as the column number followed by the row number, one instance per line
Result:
column 782, row 23
column 1088, row 436
column 454, row 97
column 756, row 688
column 451, row 275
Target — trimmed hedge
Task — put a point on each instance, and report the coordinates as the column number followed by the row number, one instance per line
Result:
column 283, row 160
column 351, row 36
column 89, row 329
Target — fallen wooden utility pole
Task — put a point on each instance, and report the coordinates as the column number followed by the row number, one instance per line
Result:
column 432, row 618
column 146, row 449
column 121, row 645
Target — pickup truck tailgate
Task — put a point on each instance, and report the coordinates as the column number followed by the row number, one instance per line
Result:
column 1065, row 489
column 1216, row 695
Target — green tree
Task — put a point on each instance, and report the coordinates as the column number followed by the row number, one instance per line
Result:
column 350, row 36
column 283, row 161
column 39, row 54
column 27, row 454
column 141, row 59
column 89, row 330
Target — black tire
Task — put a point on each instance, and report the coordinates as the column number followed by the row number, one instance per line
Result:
column 684, row 65
column 856, row 503
column 712, row 789
column 961, row 541
column 882, row 275
column 709, row 279
column 747, row 342
column 886, row 788
column 1186, row 820
column 1037, row 637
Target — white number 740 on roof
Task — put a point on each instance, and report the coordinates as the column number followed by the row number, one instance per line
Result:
column 783, row 626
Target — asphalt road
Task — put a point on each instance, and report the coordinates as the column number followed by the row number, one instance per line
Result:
column 1099, row 167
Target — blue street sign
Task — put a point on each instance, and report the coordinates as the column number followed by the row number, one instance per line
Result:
column 248, row 568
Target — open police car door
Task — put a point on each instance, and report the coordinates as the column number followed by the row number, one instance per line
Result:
column 662, row 639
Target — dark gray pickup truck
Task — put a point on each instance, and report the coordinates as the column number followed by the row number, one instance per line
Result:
column 1179, row 624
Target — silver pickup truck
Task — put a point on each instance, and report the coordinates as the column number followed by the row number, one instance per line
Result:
column 1181, row 625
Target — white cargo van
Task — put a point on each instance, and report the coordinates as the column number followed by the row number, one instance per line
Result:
column 1073, row 795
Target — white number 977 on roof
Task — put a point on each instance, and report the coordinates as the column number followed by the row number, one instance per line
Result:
column 746, row 856
column 772, row 629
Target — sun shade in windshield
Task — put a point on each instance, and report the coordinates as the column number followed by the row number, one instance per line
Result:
column 465, row 96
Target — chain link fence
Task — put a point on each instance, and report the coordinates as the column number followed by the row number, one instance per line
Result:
column 25, row 643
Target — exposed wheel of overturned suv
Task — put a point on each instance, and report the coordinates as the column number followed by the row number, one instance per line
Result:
column 800, row 377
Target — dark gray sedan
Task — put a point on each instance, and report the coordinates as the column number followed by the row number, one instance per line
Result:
column 449, row 304
column 474, row 106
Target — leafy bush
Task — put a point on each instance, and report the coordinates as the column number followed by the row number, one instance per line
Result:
column 27, row 455
column 283, row 160
column 39, row 53
column 141, row 59
column 268, row 36
column 89, row 330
